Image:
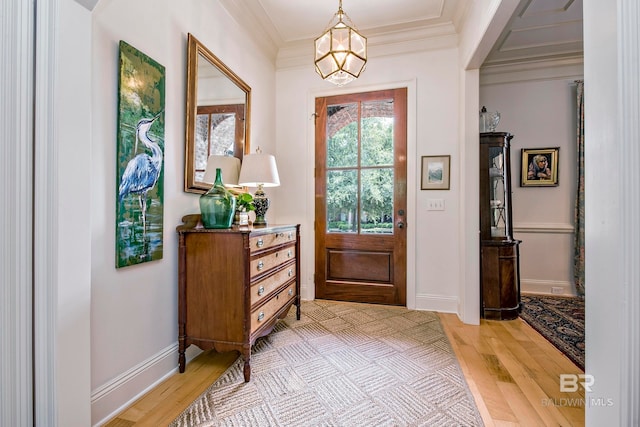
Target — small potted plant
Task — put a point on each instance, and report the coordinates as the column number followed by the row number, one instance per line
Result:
column 244, row 205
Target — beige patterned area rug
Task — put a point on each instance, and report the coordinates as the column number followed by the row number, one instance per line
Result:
column 343, row 364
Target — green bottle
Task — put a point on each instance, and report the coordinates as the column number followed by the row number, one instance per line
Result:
column 217, row 206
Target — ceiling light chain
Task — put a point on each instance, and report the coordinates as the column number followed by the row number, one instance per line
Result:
column 341, row 51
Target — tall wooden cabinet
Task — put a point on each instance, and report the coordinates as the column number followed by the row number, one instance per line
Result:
column 234, row 284
column 499, row 251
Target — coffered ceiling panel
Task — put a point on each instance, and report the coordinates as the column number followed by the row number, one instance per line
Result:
column 540, row 30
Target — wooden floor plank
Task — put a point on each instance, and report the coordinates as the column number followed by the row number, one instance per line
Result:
column 527, row 416
column 166, row 401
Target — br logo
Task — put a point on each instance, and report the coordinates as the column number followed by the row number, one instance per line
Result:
column 569, row 382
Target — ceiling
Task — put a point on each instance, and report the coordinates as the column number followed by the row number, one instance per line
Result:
column 538, row 30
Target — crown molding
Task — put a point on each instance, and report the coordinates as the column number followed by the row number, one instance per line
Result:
column 391, row 41
column 258, row 27
column 547, row 69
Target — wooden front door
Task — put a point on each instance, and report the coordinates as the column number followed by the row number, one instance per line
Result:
column 360, row 191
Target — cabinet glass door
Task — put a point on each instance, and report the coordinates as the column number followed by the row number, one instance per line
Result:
column 497, row 192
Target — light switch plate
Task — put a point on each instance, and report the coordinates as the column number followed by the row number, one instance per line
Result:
column 435, row 204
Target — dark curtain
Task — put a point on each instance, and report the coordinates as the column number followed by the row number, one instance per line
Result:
column 578, row 259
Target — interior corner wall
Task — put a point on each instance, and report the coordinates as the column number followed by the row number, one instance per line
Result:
column 134, row 322
column 540, row 113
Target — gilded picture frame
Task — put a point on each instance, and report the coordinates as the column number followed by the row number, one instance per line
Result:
column 539, row 167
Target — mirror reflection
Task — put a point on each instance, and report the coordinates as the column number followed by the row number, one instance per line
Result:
column 217, row 114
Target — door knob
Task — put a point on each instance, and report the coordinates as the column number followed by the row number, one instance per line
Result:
column 400, row 224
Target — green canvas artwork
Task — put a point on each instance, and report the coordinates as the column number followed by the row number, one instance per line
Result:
column 140, row 162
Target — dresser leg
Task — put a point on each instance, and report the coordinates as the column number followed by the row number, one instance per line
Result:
column 247, row 367
column 298, row 307
column 181, row 357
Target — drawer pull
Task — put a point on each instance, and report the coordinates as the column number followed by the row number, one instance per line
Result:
column 289, row 253
column 260, row 265
column 290, row 273
column 290, row 292
column 260, row 243
column 290, row 235
column 260, row 316
column 260, row 290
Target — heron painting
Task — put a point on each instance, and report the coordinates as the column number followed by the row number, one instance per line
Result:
column 140, row 175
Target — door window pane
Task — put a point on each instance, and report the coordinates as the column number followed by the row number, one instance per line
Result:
column 215, row 134
column 342, row 135
column 377, row 133
column 342, row 201
column 223, row 134
column 377, row 201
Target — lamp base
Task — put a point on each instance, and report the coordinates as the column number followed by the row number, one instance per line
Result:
column 261, row 202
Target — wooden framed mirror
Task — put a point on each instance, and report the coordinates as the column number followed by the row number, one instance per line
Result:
column 218, row 114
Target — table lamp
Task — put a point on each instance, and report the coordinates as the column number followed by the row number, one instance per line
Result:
column 259, row 170
column 230, row 169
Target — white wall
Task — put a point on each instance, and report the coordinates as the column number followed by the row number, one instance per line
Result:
column 607, row 317
column 134, row 309
column 540, row 113
column 75, row 194
column 432, row 81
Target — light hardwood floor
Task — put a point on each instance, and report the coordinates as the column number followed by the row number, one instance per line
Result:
column 512, row 372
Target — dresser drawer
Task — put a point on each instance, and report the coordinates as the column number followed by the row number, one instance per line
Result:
column 265, row 241
column 266, row 286
column 267, row 311
column 267, row 262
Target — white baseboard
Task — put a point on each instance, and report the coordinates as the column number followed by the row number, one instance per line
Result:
column 547, row 287
column 424, row 302
column 111, row 398
column 437, row 303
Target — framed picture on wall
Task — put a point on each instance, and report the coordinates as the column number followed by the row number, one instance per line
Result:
column 435, row 172
column 539, row 167
column 140, row 158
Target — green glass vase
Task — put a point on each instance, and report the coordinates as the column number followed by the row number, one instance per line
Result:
column 217, row 206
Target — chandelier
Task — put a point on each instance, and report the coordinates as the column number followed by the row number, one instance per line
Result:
column 341, row 52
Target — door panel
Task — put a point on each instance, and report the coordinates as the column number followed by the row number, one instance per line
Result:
column 360, row 188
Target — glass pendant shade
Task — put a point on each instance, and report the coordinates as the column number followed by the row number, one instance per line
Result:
column 341, row 52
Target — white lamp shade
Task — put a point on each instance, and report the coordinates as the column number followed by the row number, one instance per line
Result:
column 230, row 169
column 259, row 169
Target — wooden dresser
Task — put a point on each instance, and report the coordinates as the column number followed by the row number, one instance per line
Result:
column 234, row 284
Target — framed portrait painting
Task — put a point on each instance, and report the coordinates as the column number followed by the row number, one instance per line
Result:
column 539, row 167
column 435, row 172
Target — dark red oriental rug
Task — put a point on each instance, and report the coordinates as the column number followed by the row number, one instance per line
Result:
column 560, row 320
